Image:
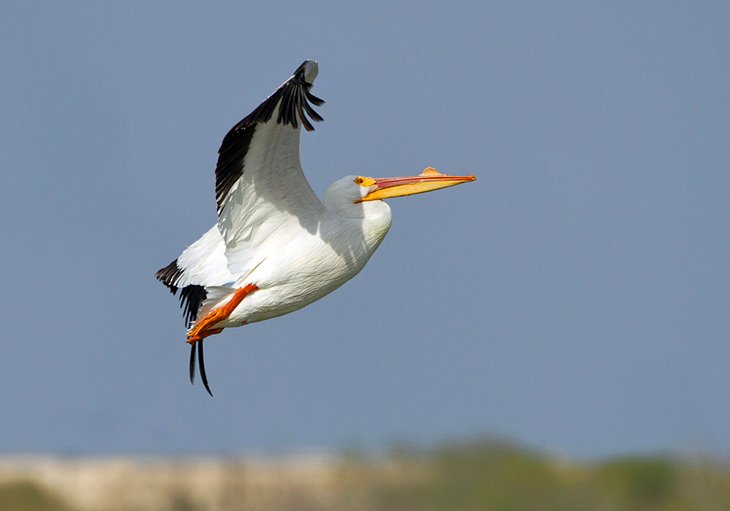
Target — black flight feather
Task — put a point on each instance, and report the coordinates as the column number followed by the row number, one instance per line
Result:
column 294, row 99
column 191, row 297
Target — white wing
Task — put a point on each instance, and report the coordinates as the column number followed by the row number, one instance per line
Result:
column 260, row 185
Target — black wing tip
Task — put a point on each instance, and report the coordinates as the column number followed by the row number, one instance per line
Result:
column 292, row 97
column 191, row 296
column 294, row 100
column 169, row 276
column 307, row 71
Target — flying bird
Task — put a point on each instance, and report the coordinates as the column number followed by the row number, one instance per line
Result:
column 275, row 246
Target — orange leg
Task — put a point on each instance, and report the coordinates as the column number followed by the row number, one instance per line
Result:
column 202, row 328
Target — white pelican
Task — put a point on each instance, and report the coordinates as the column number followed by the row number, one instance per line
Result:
column 275, row 247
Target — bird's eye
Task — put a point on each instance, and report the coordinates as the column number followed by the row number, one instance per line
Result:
column 364, row 181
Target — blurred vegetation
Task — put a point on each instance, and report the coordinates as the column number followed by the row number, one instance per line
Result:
column 500, row 476
column 28, row 496
column 470, row 476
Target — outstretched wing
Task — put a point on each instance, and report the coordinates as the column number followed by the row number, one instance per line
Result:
column 260, row 185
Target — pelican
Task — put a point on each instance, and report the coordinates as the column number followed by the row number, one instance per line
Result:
column 275, row 246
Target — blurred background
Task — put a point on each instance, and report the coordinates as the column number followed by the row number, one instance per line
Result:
column 560, row 324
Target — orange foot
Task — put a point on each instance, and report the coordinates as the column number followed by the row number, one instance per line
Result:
column 203, row 327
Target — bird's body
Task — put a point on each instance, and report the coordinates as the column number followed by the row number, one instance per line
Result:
column 276, row 247
column 296, row 266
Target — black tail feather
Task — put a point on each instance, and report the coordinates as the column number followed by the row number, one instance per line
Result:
column 191, row 367
column 201, row 365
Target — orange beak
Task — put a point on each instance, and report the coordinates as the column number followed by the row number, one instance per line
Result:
column 429, row 180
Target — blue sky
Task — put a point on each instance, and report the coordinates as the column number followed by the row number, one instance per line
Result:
column 574, row 298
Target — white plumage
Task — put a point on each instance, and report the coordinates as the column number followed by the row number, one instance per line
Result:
column 275, row 247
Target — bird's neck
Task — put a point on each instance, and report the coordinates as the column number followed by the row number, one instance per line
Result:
column 368, row 222
column 376, row 222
